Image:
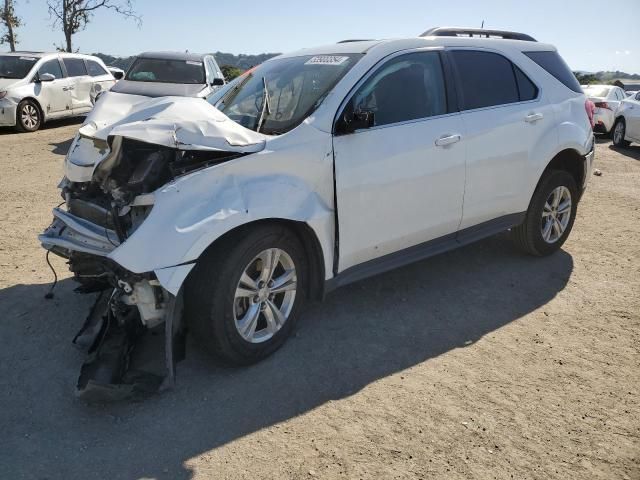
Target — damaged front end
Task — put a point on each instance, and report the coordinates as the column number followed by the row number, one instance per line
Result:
column 134, row 334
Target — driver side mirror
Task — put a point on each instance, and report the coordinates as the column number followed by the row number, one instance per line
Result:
column 357, row 120
column 46, row 77
column 217, row 82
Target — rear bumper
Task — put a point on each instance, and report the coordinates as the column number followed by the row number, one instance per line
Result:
column 589, row 159
column 603, row 121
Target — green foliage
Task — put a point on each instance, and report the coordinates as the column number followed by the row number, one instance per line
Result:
column 9, row 21
column 586, row 78
column 230, row 72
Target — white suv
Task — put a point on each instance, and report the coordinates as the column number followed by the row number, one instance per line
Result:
column 316, row 169
column 37, row 87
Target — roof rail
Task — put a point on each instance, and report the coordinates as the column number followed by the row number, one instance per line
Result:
column 476, row 32
column 356, row 40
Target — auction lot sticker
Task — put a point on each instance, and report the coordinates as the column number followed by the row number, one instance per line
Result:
column 326, row 60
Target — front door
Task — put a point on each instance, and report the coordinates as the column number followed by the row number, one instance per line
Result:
column 54, row 96
column 399, row 182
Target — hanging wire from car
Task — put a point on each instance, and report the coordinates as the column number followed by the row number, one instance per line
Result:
column 49, row 295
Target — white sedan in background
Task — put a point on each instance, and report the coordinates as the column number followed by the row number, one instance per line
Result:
column 606, row 98
column 38, row 87
column 627, row 125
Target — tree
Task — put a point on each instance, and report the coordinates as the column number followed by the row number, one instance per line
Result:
column 73, row 15
column 230, row 72
column 10, row 21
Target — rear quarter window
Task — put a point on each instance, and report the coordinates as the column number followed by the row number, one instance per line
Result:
column 553, row 63
column 95, row 70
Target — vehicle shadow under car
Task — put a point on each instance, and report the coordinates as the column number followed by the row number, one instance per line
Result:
column 47, row 126
column 632, row 151
column 360, row 334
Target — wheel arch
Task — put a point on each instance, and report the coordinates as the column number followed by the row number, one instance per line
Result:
column 568, row 160
column 38, row 105
column 308, row 239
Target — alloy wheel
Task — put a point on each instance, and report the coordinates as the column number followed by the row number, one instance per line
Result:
column 30, row 116
column 618, row 133
column 556, row 214
column 265, row 295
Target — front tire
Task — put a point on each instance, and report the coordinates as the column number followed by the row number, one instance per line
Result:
column 29, row 117
column 550, row 216
column 619, row 132
column 245, row 294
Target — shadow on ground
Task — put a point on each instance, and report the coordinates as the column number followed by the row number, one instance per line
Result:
column 361, row 333
column 632, row 151
column 47, row 126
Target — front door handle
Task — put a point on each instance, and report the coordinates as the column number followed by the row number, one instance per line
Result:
column 448, row 140
column 533, row 117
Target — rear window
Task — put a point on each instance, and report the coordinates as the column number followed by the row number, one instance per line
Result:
column 556, row 66
column 75, row 67
column 95, row 70
column 486, row 79
column 167, row 71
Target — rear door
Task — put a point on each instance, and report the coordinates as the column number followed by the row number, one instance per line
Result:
column 54, row 96
column 81, row 83
column 504, row 116
column 399, row 182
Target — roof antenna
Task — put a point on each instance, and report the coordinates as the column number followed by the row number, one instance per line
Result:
column 482, row 26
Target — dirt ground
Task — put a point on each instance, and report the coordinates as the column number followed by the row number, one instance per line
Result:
column 480, row 363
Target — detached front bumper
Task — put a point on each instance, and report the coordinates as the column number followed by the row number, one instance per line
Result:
column 7, row 113
column 133, row 334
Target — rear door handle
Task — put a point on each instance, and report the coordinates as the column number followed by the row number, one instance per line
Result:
column 533, row 117
column 448, row 140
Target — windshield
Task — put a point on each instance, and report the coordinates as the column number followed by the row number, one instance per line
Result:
column 166, row 71
column 16, row 67
column 292, row 87
column 596, row 91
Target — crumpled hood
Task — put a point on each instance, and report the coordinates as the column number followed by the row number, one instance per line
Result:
column 158, row 89
column 176, row 122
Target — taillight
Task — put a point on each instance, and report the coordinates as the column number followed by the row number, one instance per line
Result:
column 603, row 105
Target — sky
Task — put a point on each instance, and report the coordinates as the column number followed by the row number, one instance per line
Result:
column 588, row 34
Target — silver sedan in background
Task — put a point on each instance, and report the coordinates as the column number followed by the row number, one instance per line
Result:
column 38, row 87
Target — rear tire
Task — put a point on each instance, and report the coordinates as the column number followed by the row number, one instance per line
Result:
column 546, row 226
column 28, row 116
column 618, row 133
column 220, row 305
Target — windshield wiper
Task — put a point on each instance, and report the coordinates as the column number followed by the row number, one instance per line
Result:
column 266, row 104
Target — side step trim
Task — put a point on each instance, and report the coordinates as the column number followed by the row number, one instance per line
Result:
column 424, row 250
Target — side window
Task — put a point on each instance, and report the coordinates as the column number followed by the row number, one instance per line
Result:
column 526, row 88
column 75, row 67
column 95, row 69
column 405, row 88
column 486, row 79
column 52, row 67
column 638, row 96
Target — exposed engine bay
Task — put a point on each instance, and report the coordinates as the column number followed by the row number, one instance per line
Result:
column 149, row 186
column 133, row 334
